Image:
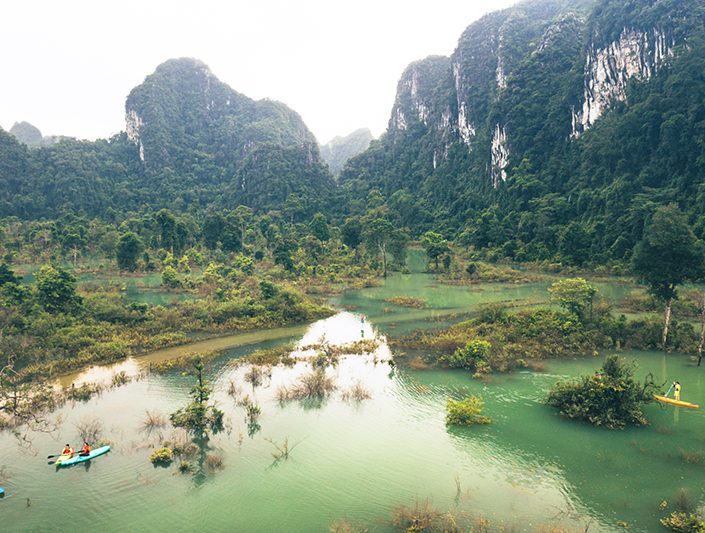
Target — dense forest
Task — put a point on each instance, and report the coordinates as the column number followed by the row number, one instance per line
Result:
column 516, row 147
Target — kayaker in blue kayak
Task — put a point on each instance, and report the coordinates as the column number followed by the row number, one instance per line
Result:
column 86, row 449
column 68, row 450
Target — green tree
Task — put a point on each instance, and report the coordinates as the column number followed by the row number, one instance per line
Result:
column 611, row 398
column 56, row 289
column 667, row 256
column 435, row 246
column 377, row 233
column 129, row 248
column 319, row 227
column 7, row 275
column 199, row 417
column 574, row 295
column 352, row 232
column 574, row 243
column 170, row 278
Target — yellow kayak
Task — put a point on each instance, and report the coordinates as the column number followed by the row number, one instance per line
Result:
column 679, row 403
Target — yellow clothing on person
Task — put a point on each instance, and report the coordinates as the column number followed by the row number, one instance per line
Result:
column 677, row 392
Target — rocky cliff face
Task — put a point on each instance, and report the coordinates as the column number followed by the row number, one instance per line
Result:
column 524, row 82
column 635, row 55
column 187, row 122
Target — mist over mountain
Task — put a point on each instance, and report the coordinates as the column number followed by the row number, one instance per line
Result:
column 339, row 150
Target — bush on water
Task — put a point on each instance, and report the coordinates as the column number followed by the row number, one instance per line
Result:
column 467, row 412
column 610, row 398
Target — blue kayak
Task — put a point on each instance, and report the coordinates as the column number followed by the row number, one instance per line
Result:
column 66, row 460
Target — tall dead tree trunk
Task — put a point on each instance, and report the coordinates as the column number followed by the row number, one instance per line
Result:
column 702, row 331
column 667, row 322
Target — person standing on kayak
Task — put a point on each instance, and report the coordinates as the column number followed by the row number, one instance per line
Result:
column 68, row 450
column 86, row 449
column 677, row 391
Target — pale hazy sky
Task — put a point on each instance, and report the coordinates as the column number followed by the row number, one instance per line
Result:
column 67, row 66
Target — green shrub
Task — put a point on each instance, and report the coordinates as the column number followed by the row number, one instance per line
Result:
column 469, row 356
column 610, row 398
column 467, row 412
column 162, row 457
column 683, row 523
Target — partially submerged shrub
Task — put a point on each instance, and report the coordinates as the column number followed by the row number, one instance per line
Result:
column 153, row 420
column 162, row 457
column 315, row 385
column 120, row 378
column 82, row 393
column 467, row 412
column 356, row 393
column 214, row 462
column 252, row 412
column 683, row 523
column 421, row 518
column 90, row 429
column 257, row 374
column 469, row 357
column 611, row 398
column 407, row 301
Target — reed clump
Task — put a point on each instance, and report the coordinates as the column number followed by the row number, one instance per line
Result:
column 90, row 429
column 356, row 393
column 316, row 385
column 153, row 420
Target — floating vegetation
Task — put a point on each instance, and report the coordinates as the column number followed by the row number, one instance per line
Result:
column 408, row 301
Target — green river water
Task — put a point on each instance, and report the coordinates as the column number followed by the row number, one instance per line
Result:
column 358, row 462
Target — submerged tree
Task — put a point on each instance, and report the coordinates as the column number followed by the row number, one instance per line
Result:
column 198, row 417
column 668, row 255
column 610, row 398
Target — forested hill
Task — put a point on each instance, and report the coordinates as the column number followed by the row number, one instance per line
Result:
column 190, row 142
column 553, row 131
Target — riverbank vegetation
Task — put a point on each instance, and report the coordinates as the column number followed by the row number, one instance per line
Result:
column 502, row 338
